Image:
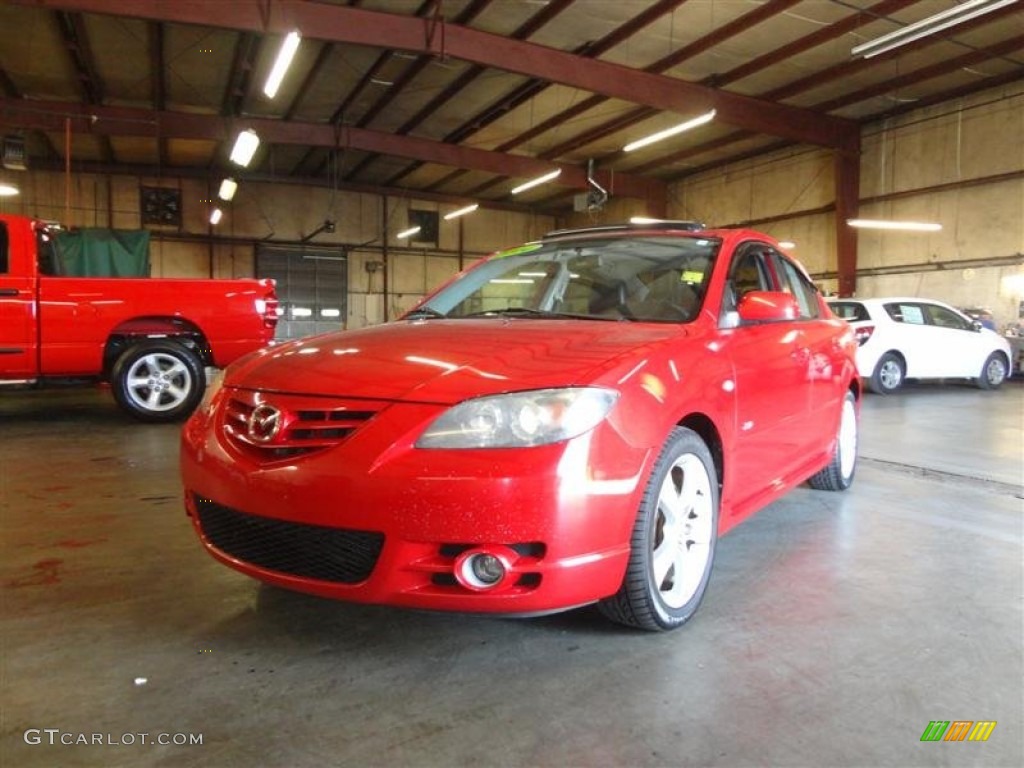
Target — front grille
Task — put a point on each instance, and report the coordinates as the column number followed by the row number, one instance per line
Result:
column 310, row 551
column 304, row 429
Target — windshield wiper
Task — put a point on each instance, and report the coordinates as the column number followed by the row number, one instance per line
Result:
column 510, row 311
column 539, row 313
column 422, row 312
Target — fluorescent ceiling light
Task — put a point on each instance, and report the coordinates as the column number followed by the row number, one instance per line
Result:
column 787, row 244
column 227, row 190
column 707, row 117
column 216, row 215
column 909, row 226
column 461, row 212
column 8, row 190
column 644, row 220
column 245, row 147
column 537, row 182
column 950, row 17
column 281, row 64
column 407, row 233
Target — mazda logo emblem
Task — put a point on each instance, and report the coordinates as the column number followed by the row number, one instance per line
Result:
column 264, row 423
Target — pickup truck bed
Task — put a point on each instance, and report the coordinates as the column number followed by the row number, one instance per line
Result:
column 150, row 338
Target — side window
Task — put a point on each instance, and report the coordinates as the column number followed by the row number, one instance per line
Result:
column 911, row 314
column 46, row 254
column 747, row 273
column 793, row 281
column 4, row 261
column 946, row 318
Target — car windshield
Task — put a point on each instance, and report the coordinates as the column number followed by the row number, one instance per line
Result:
column 651, row 279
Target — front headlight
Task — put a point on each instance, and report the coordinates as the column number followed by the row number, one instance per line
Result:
column 519, row 419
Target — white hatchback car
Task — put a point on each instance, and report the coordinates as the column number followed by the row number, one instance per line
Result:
column 922, row 339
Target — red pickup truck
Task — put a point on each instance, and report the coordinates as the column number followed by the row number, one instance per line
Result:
column 151, row 339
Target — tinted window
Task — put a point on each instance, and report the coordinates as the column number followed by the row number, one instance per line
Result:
column 947, row 318
column 46, row 251
column 3, row 249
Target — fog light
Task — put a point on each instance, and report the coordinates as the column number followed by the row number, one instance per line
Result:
column 487, row 569
column 483, row 569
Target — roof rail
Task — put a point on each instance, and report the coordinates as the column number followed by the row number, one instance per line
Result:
column 688, row 226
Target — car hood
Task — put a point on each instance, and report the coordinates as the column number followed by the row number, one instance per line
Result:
column 446, row 361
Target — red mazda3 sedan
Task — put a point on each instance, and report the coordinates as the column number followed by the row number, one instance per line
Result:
column 572, row 421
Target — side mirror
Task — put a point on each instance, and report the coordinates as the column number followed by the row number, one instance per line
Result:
column 767, row 307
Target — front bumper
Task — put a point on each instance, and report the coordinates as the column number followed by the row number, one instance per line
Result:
column 373, row 519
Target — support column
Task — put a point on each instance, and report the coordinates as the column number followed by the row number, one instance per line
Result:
column 847, row 181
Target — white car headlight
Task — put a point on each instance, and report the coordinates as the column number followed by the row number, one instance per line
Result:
column 520, row 419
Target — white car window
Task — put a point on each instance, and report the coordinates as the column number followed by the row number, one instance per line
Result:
column 947, row 318
column 911, row 314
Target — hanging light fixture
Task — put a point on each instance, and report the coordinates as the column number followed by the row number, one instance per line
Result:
column 461, row 212
column 215, row 216
column 907, row 226
column 281, row 64
column 245, row 147
column 675, row 130
column 950, row 17
column 227, row 190
column 537, row 182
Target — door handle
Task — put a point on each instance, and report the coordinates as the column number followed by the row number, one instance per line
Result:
column 8, row 291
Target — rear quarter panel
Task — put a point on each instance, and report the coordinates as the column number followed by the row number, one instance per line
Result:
column 78, row 315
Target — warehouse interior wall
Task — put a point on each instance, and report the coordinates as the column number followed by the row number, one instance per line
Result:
column 958, row 163
column 284, row 213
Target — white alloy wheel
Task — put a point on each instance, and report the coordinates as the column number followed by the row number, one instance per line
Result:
column 684, row 529
column 672, row 547
column 158, row 382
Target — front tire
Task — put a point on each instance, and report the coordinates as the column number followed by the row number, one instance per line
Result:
column 838, row 475
column 993, row 372
column 888, row 375
column 674, row 537
column 158, row 380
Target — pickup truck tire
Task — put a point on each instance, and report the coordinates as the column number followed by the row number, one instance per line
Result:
column 158, row 380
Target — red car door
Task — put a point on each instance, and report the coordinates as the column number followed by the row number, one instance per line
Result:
column 770, row 362
column 18, row 358
column 825, row 357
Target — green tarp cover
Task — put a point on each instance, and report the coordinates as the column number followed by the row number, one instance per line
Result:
column 94, row 252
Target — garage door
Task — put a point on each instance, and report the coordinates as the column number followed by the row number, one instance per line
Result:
column 312, row 285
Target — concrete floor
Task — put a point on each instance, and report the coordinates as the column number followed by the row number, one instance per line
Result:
column 835, row 628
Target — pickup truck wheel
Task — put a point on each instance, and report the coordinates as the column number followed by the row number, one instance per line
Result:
column 158, row 380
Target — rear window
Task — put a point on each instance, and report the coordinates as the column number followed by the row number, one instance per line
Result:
column 851, row 311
